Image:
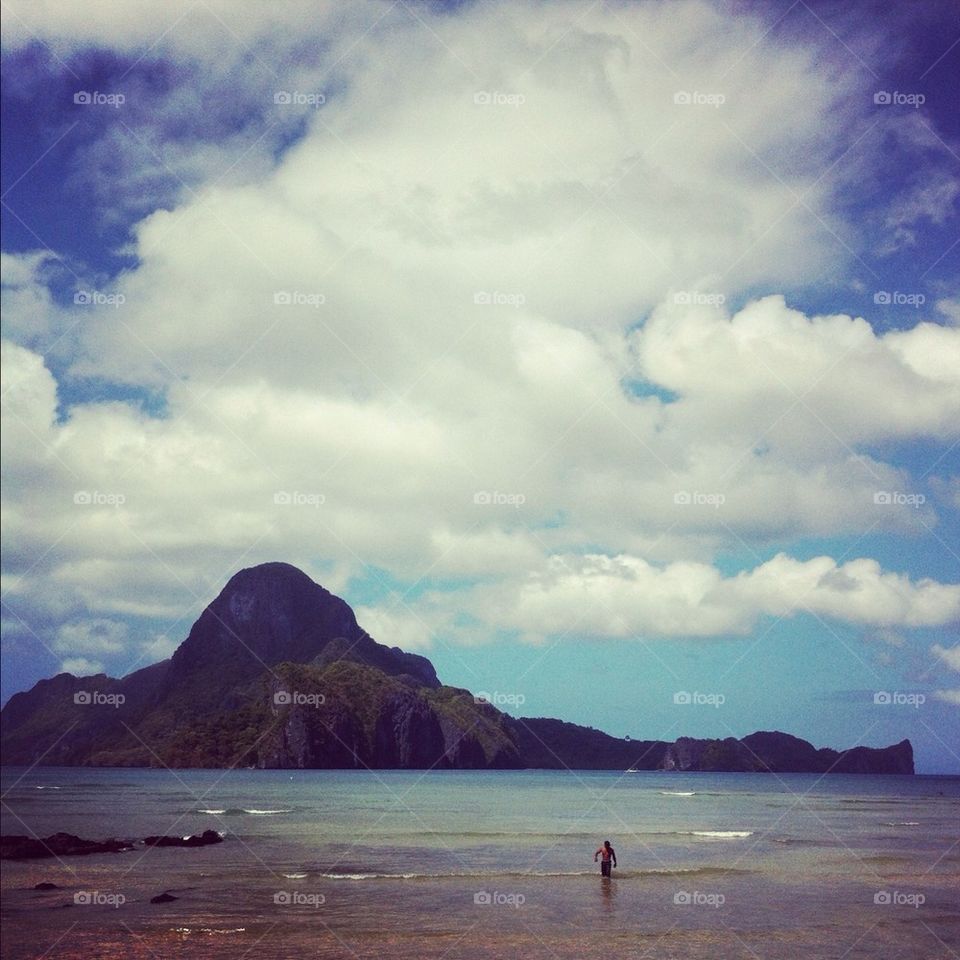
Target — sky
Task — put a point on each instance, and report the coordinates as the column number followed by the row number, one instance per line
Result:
column 608, row 354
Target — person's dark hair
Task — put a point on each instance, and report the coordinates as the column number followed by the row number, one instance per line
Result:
column 606, row 843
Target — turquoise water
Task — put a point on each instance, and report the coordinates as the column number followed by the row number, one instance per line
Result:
column 402, row 863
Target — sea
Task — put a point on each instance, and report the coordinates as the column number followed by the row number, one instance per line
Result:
column 486, row 864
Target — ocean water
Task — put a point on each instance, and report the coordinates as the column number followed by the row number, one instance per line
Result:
column 461, row 864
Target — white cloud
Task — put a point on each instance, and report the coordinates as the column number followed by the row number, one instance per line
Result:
column 622, row 596
column 81, row 666
column 949, row 655
column 91, row 636
column 948, row 696
column 464, row 278
column 398, row 628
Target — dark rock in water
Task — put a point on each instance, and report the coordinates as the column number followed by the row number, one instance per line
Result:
column 45, row 886
column 164, row 897
column 57, row 845
column 195, row 840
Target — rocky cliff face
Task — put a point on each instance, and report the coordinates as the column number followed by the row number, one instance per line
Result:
column 276, row 672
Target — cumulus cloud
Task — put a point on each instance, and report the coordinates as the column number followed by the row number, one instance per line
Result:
column 624, row 596
column 471, row 325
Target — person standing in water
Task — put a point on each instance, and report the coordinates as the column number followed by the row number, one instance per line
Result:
column 607, row 856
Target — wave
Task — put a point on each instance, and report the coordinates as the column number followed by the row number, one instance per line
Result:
column 678, row 793
column 874, row 800
column 241, row 811
column 295, row 876
column 210, row 931
column 535, row 874
column 47, row 788
column 903, row 823
column 718, row 834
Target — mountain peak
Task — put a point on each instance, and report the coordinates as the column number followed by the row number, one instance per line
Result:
column 274, row 612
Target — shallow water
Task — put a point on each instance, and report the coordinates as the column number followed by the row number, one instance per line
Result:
column 488, row 864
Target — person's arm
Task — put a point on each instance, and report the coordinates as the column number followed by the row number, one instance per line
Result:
column 613, row 856
column 597, row 854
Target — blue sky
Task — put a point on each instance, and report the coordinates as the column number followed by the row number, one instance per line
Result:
column 598, row 353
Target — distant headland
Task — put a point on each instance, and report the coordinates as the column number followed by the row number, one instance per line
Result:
column 277, row 673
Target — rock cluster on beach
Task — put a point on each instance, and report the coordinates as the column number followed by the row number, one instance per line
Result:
column 276, row 673
column 68, row 845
